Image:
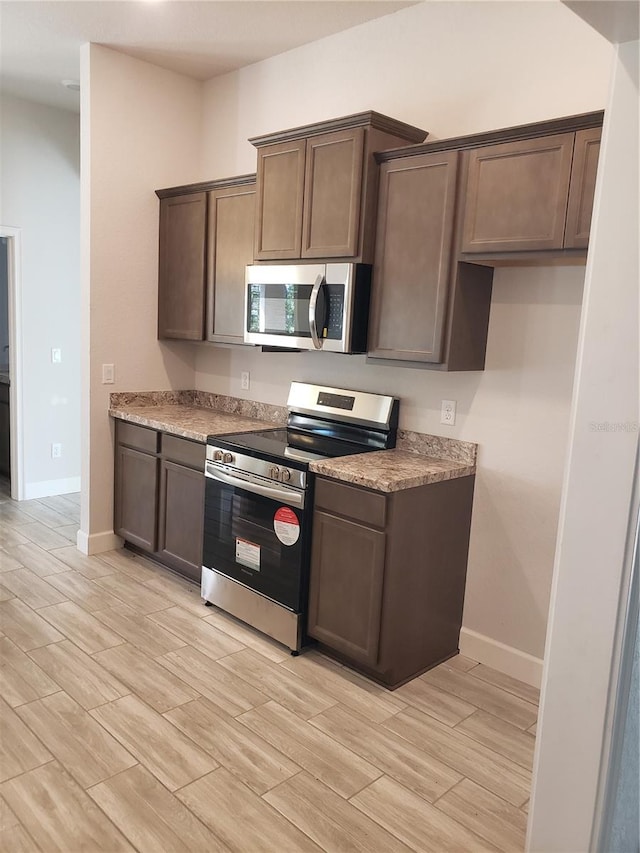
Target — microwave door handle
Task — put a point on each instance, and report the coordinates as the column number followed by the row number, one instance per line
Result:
column 313, row 308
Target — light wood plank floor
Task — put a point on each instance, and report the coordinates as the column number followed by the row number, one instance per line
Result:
column 136, row 718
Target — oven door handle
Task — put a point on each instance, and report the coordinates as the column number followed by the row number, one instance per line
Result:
column 289, row 496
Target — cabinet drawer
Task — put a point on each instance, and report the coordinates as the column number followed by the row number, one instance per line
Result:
column 4, row 393
column 183, row 450
column 351, row 502
column 141, row 438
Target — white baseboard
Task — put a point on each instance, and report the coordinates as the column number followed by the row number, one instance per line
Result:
column 47, row 488
column 506, row 659
column 98, row 543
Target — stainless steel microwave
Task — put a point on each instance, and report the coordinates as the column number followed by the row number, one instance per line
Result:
column 308, row 306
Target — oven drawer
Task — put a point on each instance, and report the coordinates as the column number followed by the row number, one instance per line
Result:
column 350, row 502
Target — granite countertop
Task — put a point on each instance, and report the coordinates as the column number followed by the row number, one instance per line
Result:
column 188, row 421
column 417, row 460
column 4, row 374
column 391, row 470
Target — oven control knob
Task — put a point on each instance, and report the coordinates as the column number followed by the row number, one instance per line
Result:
column 285, row 475
column 217, row 456
column 227, row 458
column 274, row 472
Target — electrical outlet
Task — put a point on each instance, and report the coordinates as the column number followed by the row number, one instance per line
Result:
column 56, row 451
column 108, row 374
column 56, row 355
column 245, row 379
column 448, row 412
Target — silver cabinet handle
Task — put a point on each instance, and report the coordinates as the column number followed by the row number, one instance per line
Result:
column 284, row 494
column 313, row 323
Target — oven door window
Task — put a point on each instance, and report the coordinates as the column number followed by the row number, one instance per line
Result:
column 260, row 542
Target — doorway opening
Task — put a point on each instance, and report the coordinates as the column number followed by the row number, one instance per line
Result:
column 11, row 452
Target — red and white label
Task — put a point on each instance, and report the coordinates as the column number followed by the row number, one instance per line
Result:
column 286, row 526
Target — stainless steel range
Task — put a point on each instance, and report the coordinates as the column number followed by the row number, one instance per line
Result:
column 259, row 503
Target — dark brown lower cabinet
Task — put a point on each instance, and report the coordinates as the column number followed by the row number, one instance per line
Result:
column 136, row 497
column 388, row 575
column 159, row 496
column 346, row 604
column 181, row 518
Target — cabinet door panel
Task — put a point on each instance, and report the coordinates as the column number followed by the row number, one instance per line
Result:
column 411, row 276
column 332, row 194
column 181, row 518
column 181, row 272
column 279, row 197
column 345, row 594
column 517, row 195
column 136, row 497
column 582, row 189
column 230, row 249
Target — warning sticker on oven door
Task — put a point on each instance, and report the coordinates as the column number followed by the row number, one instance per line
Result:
column 248, row 554
column 286, row 526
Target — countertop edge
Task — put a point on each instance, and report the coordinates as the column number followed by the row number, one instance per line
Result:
column 399, row 485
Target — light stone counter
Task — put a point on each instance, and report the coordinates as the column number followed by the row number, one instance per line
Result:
column 391, row 470
column 188, row 421
column 417, row 460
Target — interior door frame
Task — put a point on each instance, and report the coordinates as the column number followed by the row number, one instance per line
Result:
column 14, row 258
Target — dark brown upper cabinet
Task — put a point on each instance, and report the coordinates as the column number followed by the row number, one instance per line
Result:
column 181, row 270
column 413, row 257
column 427, row 309
column 583, row 184
column 206, row 241
column 229, row 250
column 279, row 201
column 516, row 198
column 531, row 195
column 317, row 187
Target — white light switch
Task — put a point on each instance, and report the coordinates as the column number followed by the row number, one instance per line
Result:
column 56, row 355
column 448, row 412
column 108, row 374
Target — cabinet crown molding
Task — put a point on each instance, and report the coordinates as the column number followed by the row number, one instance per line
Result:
column 207, row 186
column 491, row 137
column 370, row 118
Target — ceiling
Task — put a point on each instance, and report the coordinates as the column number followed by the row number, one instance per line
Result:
column 40, row 41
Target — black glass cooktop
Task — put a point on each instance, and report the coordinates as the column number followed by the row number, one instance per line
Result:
column 285, row 444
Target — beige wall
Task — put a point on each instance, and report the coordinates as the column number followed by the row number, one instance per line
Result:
column 451, row 68
column 140, row 131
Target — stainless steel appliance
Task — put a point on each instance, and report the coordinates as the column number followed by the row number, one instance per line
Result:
column 259, row 503
column 308, row 306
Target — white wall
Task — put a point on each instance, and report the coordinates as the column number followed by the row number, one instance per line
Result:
column 40, row 181
column 592, row 571
column 451, row 68
column 141, row 130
